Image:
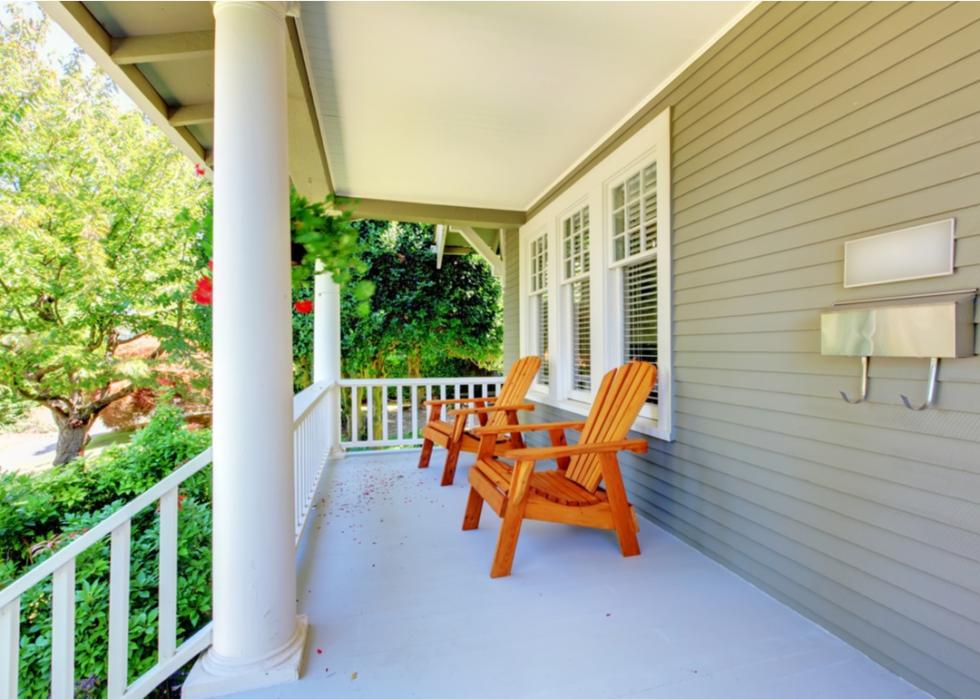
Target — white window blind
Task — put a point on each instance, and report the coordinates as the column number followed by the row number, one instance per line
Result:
column 541, row 312
column 575, row 267
column 634, row 214
column 640, row 313
column 539, row 305
column 581, row 345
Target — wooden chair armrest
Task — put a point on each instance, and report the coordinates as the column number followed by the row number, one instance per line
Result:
column 529, row 427
column 637, row 446
column 490, row 409
column 455, row 401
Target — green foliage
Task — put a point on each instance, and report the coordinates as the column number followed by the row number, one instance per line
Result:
column 11, row 408
column 39, row 513
column 302, row 341
column 319, row 234
column 322, row 234
column 91, row 252
column 419, row 321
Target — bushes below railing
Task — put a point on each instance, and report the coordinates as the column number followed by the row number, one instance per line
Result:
column 42, row 513
column 113, row 600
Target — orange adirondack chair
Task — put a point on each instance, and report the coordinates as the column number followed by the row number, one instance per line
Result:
column 498, row 411
column 569, row 494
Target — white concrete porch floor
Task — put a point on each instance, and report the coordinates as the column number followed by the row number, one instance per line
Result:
column 400, row 604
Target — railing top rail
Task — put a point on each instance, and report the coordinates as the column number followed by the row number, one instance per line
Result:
column 433, row 381
column 304, row 401
column 120, row 516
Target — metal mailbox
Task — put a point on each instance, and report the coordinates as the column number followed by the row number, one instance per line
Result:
column 933, row 326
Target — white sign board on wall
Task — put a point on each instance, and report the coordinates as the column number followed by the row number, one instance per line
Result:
column 910, row 253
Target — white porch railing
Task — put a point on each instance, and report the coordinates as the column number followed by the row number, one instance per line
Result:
column 391, row 412
column 309, row 458
column 310, row 448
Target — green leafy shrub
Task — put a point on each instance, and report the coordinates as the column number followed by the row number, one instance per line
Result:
column 11, row 409
column 40, row 513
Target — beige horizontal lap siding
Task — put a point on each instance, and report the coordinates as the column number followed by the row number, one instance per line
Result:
column 511, row 282
column 808, row 125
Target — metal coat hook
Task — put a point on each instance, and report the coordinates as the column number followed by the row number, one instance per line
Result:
column 864, row 384
column 930, row 391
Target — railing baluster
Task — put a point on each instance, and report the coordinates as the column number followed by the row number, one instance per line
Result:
column 9, row 648
column 415, row 410
column 119, row 610
column 384, row 412
column 63, row 632
column 354, row 433
column 370, row 414
column 167, row 604
column 399, row 425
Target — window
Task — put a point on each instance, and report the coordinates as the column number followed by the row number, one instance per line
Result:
column 539, row 305
column 634, row 235
column 575, row 264
column 605, row 288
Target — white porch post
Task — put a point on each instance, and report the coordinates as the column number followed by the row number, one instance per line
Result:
column 326, row 353
column 258, row 638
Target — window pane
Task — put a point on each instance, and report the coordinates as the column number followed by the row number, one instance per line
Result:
column 634, row 213
column 640, row 314
column 619, row 194
column 650, row 207
column 581, row 346
column 575, row 243
column 539, row 263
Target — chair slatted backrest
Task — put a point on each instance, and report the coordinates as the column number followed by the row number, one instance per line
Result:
column 515, row 387
column 621, row 395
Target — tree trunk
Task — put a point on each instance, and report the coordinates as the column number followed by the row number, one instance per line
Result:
column 72, row 437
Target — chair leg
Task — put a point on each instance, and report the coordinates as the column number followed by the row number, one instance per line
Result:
column 629, row 544
column 452, row 456
column 510, row 530
column 474, row 506
column 622, row 514
column 426, row 454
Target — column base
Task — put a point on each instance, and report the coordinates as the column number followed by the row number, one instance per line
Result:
column 211, row 677
column 337, row 452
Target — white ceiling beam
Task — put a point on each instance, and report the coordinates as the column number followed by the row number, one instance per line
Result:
column 154, row 48
column 478, row 244
column 191, row 114
column 81, row 26
column 440, row 244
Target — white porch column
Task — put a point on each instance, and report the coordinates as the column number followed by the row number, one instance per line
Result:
column 326, row 352
column 258, row 638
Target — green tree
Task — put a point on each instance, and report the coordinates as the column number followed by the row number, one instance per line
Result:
column 421, row 321
column 93, row 252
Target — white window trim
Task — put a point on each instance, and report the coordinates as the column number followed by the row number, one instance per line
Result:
column 563, row 307
column 594, row 190
column 528, row 333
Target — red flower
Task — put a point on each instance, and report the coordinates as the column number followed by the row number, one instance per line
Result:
column 199, row 170
column 303, row 306
column 203, row 292
column 211, row 265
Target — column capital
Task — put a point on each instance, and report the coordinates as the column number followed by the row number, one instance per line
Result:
column 275, row 7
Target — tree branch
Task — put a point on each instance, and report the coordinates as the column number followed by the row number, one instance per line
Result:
column 17, row 310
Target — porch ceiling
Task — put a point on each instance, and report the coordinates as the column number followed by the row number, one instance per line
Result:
column 442, row 112
column 485, row 104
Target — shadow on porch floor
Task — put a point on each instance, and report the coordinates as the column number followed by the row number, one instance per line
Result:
column 401, row 605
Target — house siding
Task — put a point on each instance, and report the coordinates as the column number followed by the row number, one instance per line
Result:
column 805, row 126
column 511, row 284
